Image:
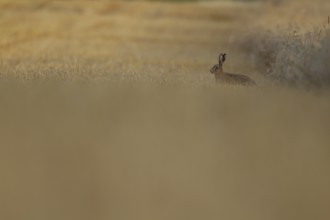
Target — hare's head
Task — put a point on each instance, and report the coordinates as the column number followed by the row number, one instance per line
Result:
column 222, row 58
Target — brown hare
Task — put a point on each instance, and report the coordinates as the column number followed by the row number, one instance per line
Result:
column 223, row 77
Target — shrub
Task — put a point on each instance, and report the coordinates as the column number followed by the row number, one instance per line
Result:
column 291, row 57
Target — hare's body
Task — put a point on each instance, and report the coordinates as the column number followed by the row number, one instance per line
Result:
column 231, row 78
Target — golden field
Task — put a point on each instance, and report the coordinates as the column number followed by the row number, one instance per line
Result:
column 108, row 111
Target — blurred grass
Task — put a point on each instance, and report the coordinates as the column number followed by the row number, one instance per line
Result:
column 82, row 151
column 108, row 111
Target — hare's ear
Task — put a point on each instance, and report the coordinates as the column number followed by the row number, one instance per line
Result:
column 214, row 68
column 222, row 58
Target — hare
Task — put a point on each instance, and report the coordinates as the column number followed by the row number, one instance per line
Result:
column 223, row 77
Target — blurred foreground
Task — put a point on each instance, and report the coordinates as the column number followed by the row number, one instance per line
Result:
column 103, row 152
column 108, row 111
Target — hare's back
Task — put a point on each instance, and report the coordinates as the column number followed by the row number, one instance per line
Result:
column 240, row 79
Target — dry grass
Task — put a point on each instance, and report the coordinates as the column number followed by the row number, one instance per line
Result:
column 108, row 111
column 292, row 50
column 292, row 57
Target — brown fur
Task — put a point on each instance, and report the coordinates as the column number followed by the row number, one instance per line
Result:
column 231, row 78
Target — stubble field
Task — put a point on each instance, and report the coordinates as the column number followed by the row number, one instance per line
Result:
column 108, row 111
